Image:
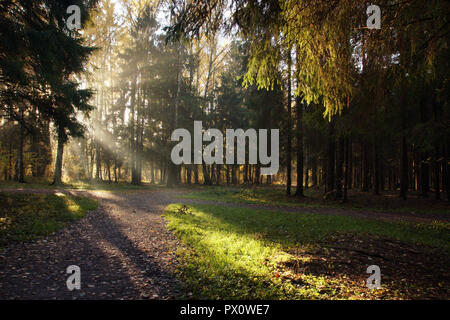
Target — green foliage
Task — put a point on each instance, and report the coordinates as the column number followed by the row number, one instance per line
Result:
column 40, row 66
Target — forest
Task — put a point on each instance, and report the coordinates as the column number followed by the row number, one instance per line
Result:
column 362, row 111
column 367, row 116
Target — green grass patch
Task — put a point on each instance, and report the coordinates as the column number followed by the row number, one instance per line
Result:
column 268, row 196
column 233, row 253
column 24, row 217
column 313, row 198
column 99, row 186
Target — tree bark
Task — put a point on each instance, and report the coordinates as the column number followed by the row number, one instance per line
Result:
column 446, row 170
column 20, row 175
column 376, row 170
column 365, row 167
column 288, row 128
column 350, row 159
column 339, row 166
column 436, row 166
column 59, row 158
column 347, row 174
column 424, row 176
column 299, row 113
column 331, row 157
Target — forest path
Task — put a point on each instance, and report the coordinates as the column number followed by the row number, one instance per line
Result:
column 123, row 249
column 414, row 217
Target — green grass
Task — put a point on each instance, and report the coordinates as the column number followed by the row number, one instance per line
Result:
column 24, row 217
column 105, row 186
column 233, row 253
column 30, row 184
column 277, row 197
column 100, row 186
column 269, row 196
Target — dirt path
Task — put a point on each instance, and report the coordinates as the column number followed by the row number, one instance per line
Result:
column 356, row 213
column 123, row 249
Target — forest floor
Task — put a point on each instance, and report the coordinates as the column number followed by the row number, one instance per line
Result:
column 125, row 250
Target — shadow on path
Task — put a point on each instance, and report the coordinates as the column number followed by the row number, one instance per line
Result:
column 123, row 250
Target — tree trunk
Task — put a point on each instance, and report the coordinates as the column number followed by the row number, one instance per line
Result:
column 10, row 160
column 350, row 159
column 404, row 169
column 331, row 157
column 288, row 128
column 365, row 167
column 188, row 174
column 446, row 170
column 314, row 171
column 133, row 134
column 206, row 177
column 20, row 176
column 196, row 174
column 59, row 159
column 306, row 172
column 339, row 166
column 98, row 165
column 245, row 173
column 437, row 172
column 376, row 171
column 347, row 174
column 218, row 169
column 424, row 176
column 299, row 132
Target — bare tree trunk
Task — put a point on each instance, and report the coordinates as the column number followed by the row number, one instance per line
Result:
column 59, row 158
column 331, row 157
column 314, row 171
column 446, row 170
column 218, row 169
column 347, row 173
column 288, row 128
column 133, row 134
column 196, row 174
column 339, row 166
column 299, row 112
column 172, row 178
column 376, row 171
column 307, row 164
column 365, row 167
column 10, row 159
column 98, row 162
column 245, row 173
column 20, row 176
column 350, row 155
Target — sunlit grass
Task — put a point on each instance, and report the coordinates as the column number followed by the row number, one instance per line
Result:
column 232, row 253
column 25, row 217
